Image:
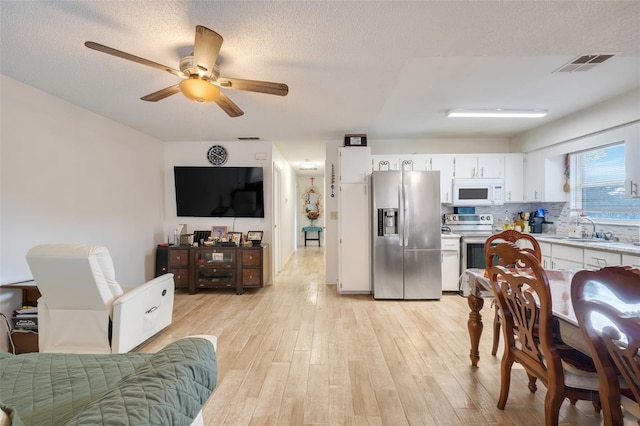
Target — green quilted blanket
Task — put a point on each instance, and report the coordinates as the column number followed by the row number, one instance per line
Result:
column 165, row 388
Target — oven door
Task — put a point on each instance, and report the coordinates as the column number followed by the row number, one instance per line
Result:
column 472, row 250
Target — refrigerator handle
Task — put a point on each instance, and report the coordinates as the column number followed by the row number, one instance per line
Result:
column 405, row 216
column 400, row 216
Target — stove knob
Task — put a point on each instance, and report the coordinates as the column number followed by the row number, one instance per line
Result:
column 481, row 218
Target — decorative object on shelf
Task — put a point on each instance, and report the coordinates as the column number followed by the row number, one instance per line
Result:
column 333, row 179
column 217, row 155
column 218, row 232
column 567, row 161
column 235, row 237
column 311, row 207
column 255, row 237
column 355, row 140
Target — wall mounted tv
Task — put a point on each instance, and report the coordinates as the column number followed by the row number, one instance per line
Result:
column 219, row 191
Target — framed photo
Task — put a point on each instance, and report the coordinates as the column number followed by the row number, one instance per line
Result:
column 235, row 237
column 218, row 232
column 255, row 237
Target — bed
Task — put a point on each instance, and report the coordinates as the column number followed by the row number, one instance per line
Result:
column 168, row 387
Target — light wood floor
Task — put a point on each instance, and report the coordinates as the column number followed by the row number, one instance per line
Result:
column 298, row 353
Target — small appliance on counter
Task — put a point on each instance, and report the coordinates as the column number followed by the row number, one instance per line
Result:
column 536, row 221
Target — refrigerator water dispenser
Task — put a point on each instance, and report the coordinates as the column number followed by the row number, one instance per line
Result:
column 387, row 222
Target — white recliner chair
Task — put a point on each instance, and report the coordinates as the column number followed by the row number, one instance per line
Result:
column 84, row 310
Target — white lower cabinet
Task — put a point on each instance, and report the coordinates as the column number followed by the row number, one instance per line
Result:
column 596, row 259
column 353, row 239
column 631, row 260
column 566, row 257
column 450, row 262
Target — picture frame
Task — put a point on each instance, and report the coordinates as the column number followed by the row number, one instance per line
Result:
column 235, row 237
column 218, row 232
column 255, row 237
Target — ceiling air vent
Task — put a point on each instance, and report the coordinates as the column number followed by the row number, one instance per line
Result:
column 248, row 138
column 585, row 62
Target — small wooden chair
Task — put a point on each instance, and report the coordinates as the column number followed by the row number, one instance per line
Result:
column 511, row 236
column 615, row 348
column 524, row 299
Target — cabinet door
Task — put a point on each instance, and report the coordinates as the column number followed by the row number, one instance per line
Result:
column 354, row 164
column 444, row 164
column 353, row 237
column 490, row 166
column 567, row 257
column 596, row 259
column 385, row 163
column 450, row 267
column 416, row 163
column 465, row 166
column 514, row 177
column 534, row 177
column 631, row 260
column 632, row 171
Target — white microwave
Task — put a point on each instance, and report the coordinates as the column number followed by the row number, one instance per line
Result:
column 478, row 192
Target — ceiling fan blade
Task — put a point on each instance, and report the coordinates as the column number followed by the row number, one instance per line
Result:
column 124, row 55
column 228, row 106
column 161, row 94
column 205, row 50
column 267, row 87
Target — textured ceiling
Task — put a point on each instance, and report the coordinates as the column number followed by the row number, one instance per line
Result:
column 388, row 69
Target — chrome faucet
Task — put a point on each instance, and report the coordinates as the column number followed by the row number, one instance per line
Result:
column 593, row 224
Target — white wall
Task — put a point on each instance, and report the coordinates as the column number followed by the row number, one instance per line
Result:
column 561, row 134
column 288, row 224
column 241, row 154
column 68, row 175
column 331, row 213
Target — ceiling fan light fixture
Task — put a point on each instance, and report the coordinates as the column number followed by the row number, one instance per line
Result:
column 497, row 113
column 198, row 90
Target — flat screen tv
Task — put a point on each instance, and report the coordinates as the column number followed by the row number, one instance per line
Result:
column 219, row 191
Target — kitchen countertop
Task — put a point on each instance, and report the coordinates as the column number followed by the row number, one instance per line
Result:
column 595, row 243
column 451, row 235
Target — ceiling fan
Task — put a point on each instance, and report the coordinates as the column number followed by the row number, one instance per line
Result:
column 201, row 81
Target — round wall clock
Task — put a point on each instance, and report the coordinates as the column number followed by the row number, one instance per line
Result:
column 217, row 155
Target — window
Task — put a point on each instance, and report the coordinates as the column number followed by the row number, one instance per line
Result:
column 598, row 177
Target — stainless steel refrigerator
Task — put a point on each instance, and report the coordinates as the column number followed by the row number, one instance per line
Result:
column 406, row 256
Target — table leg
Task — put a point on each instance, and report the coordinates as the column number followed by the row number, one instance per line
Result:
column 475, row 326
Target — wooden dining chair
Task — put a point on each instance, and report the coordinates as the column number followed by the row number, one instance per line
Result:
column 524, row 299
column 514, row 237
column 612, row 335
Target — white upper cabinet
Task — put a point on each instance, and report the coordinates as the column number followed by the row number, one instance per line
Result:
column 544, row 178
column 444, row 164
column 354, row 164
column 479, row 165
column 385, row 163
column 632, row 164
column 415, row 162
column 513, row 177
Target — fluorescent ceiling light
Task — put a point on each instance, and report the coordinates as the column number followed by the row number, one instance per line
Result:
column 489, row 113
column 308, row 165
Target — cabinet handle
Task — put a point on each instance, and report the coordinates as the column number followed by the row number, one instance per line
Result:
column 600, row 261
column 482, row 171
column 633, row 189
column 473, row 172
column 535, row 195
column 509, row 195
column 178, row 257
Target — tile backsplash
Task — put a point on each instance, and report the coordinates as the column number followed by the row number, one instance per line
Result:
column 558, row 213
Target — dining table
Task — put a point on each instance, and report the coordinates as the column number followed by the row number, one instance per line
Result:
column 561, row 307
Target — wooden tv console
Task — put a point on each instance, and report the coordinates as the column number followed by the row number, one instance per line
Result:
column 215, row 267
